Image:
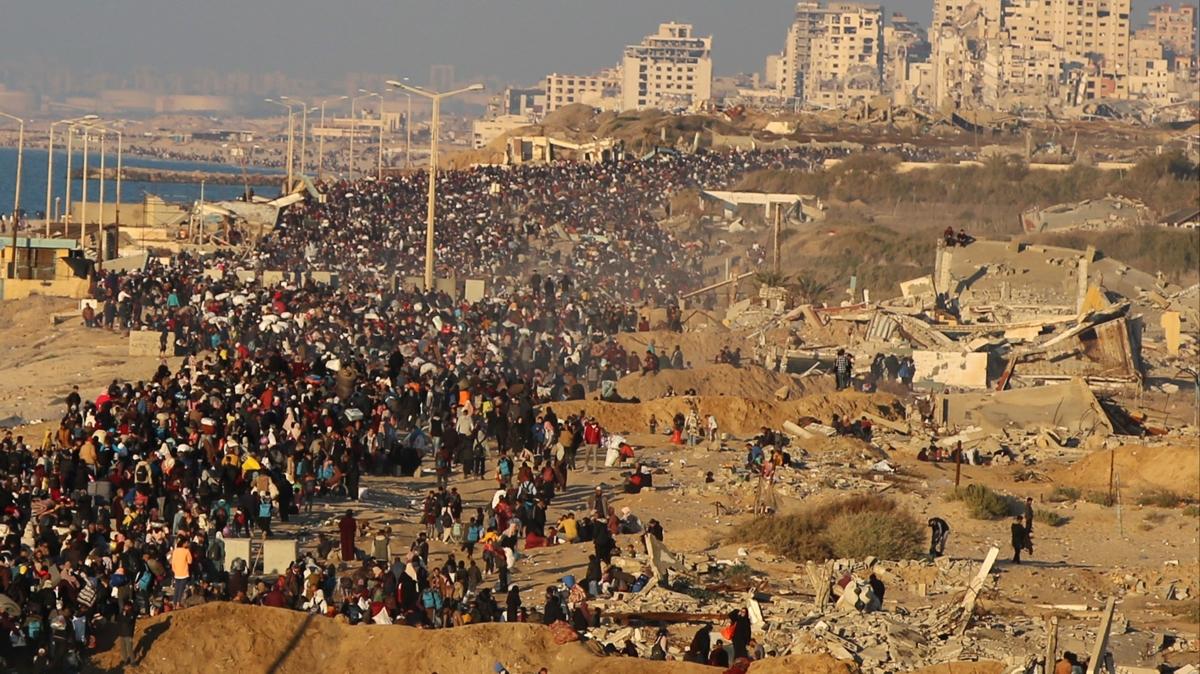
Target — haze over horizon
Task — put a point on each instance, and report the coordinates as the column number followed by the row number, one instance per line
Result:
column 510, row 40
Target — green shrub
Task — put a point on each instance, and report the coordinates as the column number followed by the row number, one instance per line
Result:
column 984, row 504
column 1100, row 498
column 855, row 526
column 1192, row 510
column 1063, row 494
column 1049, row 518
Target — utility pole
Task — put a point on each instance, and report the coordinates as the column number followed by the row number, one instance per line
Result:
column 16, row 212
column 436, row 98
column 778, row 219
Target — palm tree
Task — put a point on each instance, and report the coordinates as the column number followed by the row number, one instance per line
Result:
column 772, row 279
column 809, row 290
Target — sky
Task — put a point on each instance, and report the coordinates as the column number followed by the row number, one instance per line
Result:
column 511, row 40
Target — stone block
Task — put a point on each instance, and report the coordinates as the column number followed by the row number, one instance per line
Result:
column 237, row 548
column 475, row 289
column 324, row 278
column 272, row 277
column 447, row 285
column 278, row 554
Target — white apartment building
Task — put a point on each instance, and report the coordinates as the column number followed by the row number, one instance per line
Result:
column 847, row 56
column 668, row 70
column 593, row 90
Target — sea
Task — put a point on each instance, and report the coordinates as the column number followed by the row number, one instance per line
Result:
column 33, row 188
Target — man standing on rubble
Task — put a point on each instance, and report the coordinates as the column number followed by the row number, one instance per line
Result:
column 842, row 366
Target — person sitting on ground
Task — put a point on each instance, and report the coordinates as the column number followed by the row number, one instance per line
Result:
column 629, row 523
column 650, row 363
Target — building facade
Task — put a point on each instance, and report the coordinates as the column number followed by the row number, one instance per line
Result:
column 847, row 57
column 1175, row 28
column 669, row 70
column 600, row 91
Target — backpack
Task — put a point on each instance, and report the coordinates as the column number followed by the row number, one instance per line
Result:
column 505, row 466
column 264, row 509
column 431, row 598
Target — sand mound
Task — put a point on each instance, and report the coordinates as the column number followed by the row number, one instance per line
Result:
column 1138, row 468
column 981, row 667
column 34, row 310
column 721, row 380
column 699, row 348
column 740, row 416
column 809, row 664
column 250, row 639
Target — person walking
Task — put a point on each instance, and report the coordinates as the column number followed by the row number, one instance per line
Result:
column 181, row 564
column 939, row 531
column 347, row 527
column 1020, row 540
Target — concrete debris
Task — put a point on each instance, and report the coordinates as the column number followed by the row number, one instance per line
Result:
column 1111, row 211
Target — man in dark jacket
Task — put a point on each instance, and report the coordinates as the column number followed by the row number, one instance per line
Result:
column 126, row 622
column 1020, row 540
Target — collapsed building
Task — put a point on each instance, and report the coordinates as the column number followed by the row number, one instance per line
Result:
column 996, row 316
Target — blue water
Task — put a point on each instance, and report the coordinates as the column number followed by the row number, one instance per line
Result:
column 33, row 187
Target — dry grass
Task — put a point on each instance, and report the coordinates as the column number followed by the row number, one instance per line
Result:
column 1100, row 498
column 1063, row 494
column 1164, row 182
column 1050, row 518
column 885, row 224
column 856, row 526
column 984, row 504
column 1162, row 498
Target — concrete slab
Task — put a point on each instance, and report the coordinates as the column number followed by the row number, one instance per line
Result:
column 950, row 368
column 475, row 289
column 278, row 554
column 237, row 548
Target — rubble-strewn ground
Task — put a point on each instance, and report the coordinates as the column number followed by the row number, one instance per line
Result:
column 1147, row 556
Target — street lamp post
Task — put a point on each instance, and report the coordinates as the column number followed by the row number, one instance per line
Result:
column 303, row 129
column 104, row 131
column 436, row 99
column 83, row 209
column 379, row 161
column 290, row 142
column 408, row 132
column 67, row 186
column 353, row 132
column 321, row 141
column 17, row 187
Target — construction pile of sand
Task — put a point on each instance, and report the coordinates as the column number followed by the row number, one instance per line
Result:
column 223, row 637
column 699, row 347
column 740, row 416
column 808, row 664
column 1139, row 468
column 981, row 667
column 750, row 381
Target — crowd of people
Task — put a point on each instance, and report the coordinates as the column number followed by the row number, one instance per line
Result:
column 289, row 395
